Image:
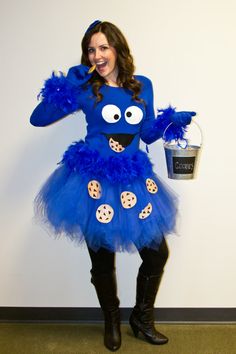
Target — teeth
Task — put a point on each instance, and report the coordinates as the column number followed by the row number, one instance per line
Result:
column 101, row 63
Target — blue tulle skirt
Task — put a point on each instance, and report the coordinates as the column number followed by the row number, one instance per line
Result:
column 116, row 202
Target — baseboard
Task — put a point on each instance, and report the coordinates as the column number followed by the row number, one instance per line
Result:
column 93, row 314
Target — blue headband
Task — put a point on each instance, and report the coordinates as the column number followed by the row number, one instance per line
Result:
column 95, row 23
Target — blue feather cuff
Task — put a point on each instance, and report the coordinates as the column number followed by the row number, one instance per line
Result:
column 164, row 120
column 60, row 92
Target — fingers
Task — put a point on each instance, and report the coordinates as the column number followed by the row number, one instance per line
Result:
column 187, row 113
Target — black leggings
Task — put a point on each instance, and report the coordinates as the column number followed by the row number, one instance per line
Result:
column 153, row 261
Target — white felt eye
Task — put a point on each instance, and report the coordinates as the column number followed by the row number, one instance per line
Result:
column 133, row 115
column 111, row 113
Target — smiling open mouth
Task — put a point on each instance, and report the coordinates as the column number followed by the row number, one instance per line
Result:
column 101, row 66
column 118, row 142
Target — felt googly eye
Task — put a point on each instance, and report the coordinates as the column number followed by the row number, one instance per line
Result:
column 133, row 115
column 111, row 113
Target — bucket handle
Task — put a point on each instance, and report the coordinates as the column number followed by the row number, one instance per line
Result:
column 192, row 121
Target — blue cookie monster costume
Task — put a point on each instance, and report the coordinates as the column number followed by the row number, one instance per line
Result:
column 104, row 191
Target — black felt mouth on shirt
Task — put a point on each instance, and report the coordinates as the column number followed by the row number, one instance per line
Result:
column 122, row 139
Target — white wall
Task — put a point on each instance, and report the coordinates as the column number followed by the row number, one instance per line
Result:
column 188, row 49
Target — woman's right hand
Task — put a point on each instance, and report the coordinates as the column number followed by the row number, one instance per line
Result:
column 78, row 75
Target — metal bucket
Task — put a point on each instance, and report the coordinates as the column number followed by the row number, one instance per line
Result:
column 182, row 161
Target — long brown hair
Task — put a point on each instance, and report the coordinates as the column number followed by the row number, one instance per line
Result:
column 124, row 59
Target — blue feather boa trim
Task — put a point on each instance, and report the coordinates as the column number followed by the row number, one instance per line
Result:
column 124, row 169
column 173, row 132
column 60, row 92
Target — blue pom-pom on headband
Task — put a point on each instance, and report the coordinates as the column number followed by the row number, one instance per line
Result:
column 95, row 23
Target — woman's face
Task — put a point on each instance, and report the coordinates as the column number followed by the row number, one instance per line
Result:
column 103, row 56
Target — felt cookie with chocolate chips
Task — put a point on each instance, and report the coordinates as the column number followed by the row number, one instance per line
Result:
column 94, row 189
column 151, row 186
column 146, row 211
column 115, row 146
column 128, row 199
column 104, row 213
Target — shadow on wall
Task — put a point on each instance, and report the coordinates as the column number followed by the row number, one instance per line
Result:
column 23, row 243
column 38, row 158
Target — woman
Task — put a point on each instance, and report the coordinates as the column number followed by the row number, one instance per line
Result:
column 104, row 191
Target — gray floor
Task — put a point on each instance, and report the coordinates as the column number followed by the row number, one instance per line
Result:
column 71, row 338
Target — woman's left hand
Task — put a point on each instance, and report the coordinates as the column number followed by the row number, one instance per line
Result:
column 182, row 118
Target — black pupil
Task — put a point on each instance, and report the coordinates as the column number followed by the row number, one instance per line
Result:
column 129, row 114
column 116, row 116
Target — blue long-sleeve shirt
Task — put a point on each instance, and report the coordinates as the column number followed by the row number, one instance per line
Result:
column 116, row 124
